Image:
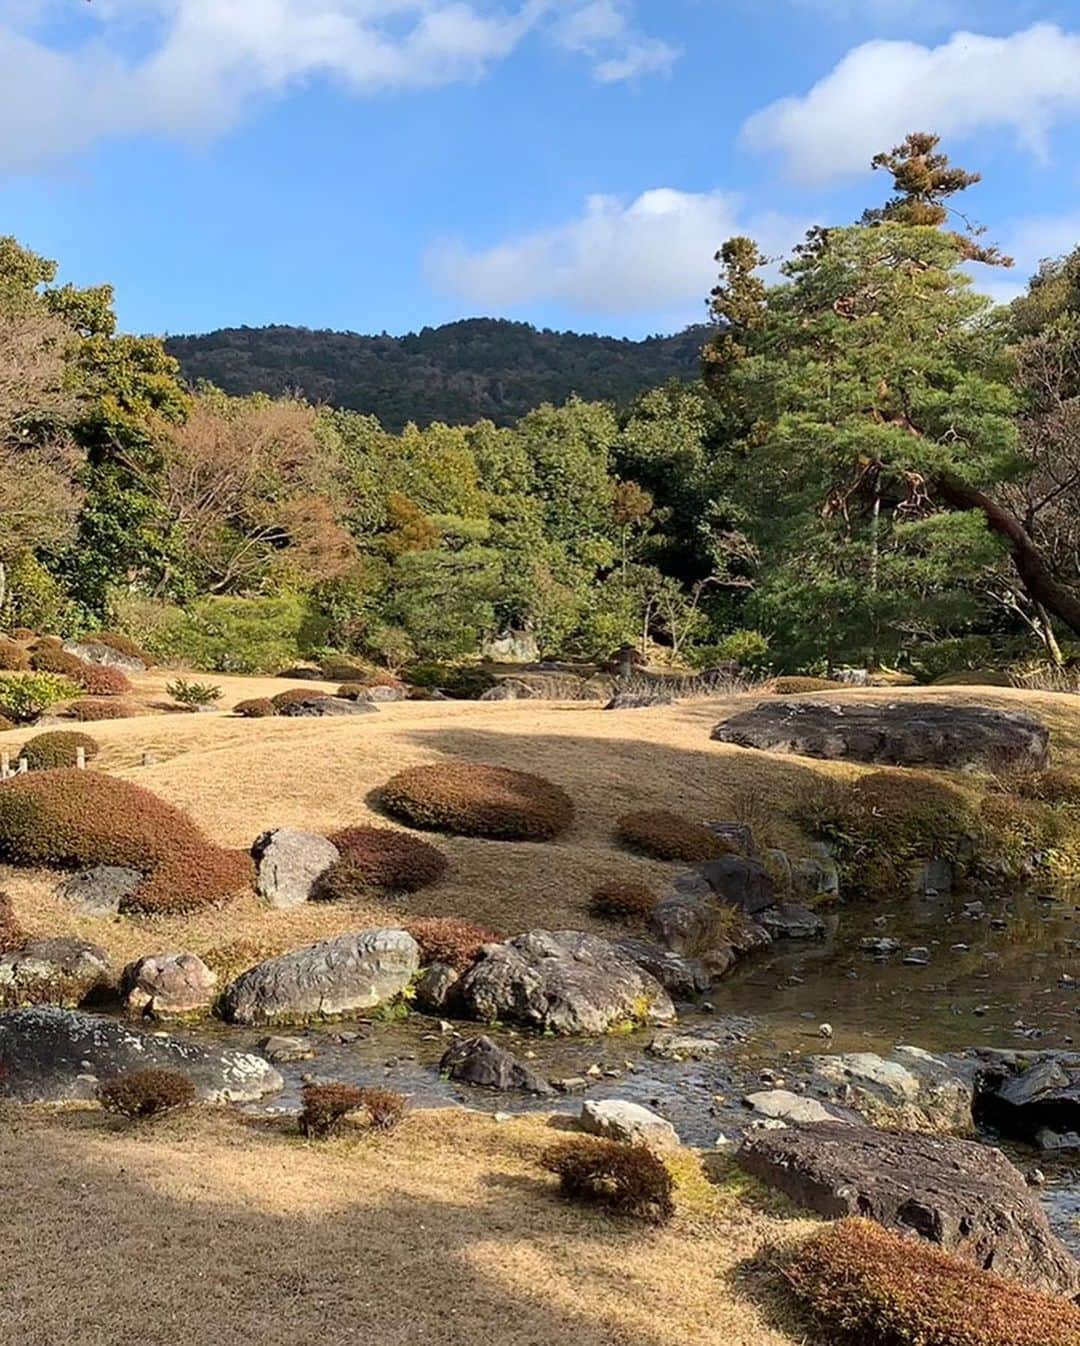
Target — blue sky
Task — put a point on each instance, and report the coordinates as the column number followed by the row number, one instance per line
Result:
column 386, row 164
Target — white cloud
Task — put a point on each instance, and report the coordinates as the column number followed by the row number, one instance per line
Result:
column 879, row 91
column 193, row 67
column 1029, row 240
column 650, row 256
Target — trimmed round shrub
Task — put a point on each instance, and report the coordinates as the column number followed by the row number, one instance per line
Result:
column 89, row 708
column 76, row 819
column 864, row 1283
column 386, row 858
column 294, row 696
column 12, row 935
column 57, row 748
column 789, row 685
column 473, row 800
column 55, row 659
column 47, row 643
column 140, row 1095
column 257, row 708
column 122, row 644
column 624, row 1179
column 668, row 836
column 616, row 901
column 325, row 1106
column 13, row 658
column 385, row 1108
column 445, row 939
column 103, row 680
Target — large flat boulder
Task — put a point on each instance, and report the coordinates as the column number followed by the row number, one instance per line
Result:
column 563, row 981
column 895, row 733
column 336, row 977
column 100, row 652
column 911, row 1088
column 59, row 971
column 319, row 706
column 965, row 1197
column 619, row 1119
column 54, row 1055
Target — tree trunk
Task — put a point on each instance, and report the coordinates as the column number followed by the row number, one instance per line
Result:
column 1035, row 575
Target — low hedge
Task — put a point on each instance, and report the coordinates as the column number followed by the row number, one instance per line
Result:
column 621, row 901
column 57, row 748
column 445, row 939
column 91, row 708
column 76, row 819
column 257, row 708
column 668, row 836
column 866, row 1284
column 474, row 800
column 385, row 858
column 103, row 680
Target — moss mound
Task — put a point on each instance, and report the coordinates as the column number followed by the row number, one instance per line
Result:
column 102, row 680
column 793, row 684
column 473, row 800
column 667, row 836
column 257, row 708
column 381, row 858
column 445, row 939
column 55, row 659
column 624, row 1179
column 619, row 901
column 80, row 818
column 13, row 658
column 866, row 1284
column 90, row 708
column 58, row 748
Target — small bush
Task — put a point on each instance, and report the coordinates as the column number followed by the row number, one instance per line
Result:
column 55, row 659
column 193, row 693
column 385, row 1108
column 258, row 708
column 866, row 1284
column 13, row 658
column 122, row 644
column 25, row 696
column 293, row 696
column 789, row 685
column 230, row 959
column 12, row 935
column 385, row 858
column 83, row 818
column 140, row 1095
column 667, row 836
column 103, row 680
column 470, row 799
column 57, row 748
column 617, row 901
column 95, row 708
column 624, row 1179
column 325, row 1106
column 445, row 939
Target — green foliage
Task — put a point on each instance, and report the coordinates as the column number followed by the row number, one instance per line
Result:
column 36, row 599
column 747, row 648
column 193, row 693
column 25, row 696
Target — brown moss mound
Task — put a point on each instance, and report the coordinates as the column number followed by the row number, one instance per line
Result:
column 667, row 836
column 101, row 680
column 293, row 696
column 793, row 684
column 58, row 748
column 474, row 800
column 23, row 633
column 55, row 659
column 82, row 818
column 6, row 724
column 12, row 935
column 122, row 644
column 866, row 1284
column 384, row 858
column 624, row 1179
column 445, row 939
column 325, row 1107
column 140, row 1095
column 13, row 658
column 89, row 709
column 259, row 707
column 619, row 901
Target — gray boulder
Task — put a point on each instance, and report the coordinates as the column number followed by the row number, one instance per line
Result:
column 1034, row 1098
column 676, row 1046
column 319, row 705
column 911, row 1089
column 815, row 877
column 965, row 1197
column 512, row 647
column 788, row 920
column 639, row 700
column 336, row 977
column 739, row 882
column 618, row 1119
column 785, row 1106
column 100, row 890
column 896, row 733
column 62, row 971
column 509, row 689
column 288, row 863
column 682, row 978
column 562, row 982
column 482, row 1062
column 436, row 989
column 97, row 652
column 168, row 986
column 53, row 1055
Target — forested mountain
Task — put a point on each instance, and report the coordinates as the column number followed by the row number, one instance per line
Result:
column 459, row 373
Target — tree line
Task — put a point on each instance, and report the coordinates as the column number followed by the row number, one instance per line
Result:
column 875, row 466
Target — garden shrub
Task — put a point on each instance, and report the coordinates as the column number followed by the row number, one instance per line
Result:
column 385, row 858
column 83, row 818
column 12, row 935
column 621, row 901
column 257, row 708
column 23, row 633
column 192, row 694
column 140, row 1095
column 293, row 696
column 624, row 1179
column 325, row 1106
column 122, row 644
column 667, row 836
column 340, row 668
column 47, row 643
column 475, row 800
column 385, row 1108
column 104, row 680
column 867, row 1284
column 92, row 708
column 25, row 696
column 57, row 748
column 445, row 939
column 792, row 685
column 55, row 659
column 13, row 658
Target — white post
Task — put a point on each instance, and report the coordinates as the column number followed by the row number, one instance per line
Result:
column 80, row 758
column 24, row 765
column 5, row 764
column 148, row 759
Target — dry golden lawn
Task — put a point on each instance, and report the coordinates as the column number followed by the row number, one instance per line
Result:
column 240, row 777
column 213, row 1228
